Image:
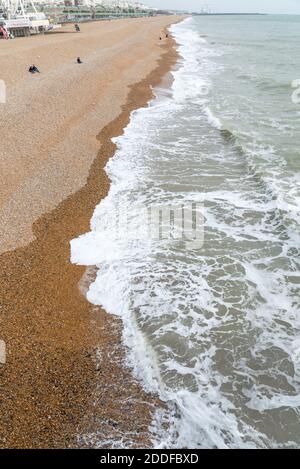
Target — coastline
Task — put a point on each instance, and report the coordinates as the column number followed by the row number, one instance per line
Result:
column 64, row 375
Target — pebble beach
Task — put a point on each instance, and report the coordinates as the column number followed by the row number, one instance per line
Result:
column 64, row 383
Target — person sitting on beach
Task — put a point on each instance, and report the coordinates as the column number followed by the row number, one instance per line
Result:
column 79, row 60
column 33, row 69
column 167, row 35
column 160, row 38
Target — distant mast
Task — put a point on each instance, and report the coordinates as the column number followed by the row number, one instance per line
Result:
column 206, row 9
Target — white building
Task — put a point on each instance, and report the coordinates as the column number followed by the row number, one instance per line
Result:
column 105, row 3
column 23, row 6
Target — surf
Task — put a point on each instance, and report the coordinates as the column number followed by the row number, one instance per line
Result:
column 213, row 331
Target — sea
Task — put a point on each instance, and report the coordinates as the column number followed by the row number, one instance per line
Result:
column 210, row 303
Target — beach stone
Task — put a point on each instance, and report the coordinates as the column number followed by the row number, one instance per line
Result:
column 2, row 352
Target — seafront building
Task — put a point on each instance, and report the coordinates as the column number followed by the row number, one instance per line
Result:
column 25, row 5
column 25, row 17
column 106, row 4
column 21, row 18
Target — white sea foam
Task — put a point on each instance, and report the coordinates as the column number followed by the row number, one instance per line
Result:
column 212, row 119
column 213, row 331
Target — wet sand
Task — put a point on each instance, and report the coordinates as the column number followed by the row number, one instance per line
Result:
column 64, row 376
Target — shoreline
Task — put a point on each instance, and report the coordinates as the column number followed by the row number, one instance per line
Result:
column 69, row 380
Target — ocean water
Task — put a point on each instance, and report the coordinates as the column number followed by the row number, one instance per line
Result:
column 214, row 328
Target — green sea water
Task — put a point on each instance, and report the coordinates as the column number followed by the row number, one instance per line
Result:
column 215, row 331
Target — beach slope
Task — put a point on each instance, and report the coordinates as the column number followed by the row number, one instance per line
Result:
column 64, row 373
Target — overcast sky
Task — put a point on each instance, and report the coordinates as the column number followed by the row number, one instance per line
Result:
column 226, row 6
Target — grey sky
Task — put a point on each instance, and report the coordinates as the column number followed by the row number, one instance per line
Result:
column 242, row 6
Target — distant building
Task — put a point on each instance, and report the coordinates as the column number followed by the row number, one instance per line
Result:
column 92, row 3
column 61, row 10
